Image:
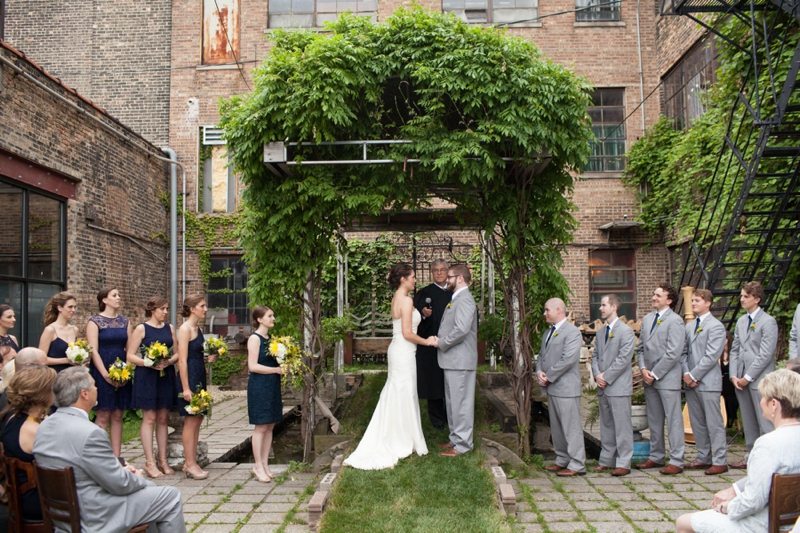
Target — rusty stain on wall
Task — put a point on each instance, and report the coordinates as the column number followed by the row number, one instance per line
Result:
column 220, row 23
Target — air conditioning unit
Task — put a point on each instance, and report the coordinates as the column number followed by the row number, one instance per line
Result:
column 212, row 136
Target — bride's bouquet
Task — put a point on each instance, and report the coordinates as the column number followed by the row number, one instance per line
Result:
column 79, row 352
column 287, row 352
column 156, row 353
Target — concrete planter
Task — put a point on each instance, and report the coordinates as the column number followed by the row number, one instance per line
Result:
column 638, row 420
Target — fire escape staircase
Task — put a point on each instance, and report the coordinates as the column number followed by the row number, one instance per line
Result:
column 749, row 228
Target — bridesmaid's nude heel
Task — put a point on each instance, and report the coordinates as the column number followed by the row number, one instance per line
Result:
column 188, row 474
column 164, row 466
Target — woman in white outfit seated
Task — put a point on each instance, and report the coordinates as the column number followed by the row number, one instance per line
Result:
column 743, row 507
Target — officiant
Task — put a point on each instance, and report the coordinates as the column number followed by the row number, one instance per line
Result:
column 431, row 302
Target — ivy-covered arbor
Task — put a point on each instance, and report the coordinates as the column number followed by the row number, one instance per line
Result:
column 494, row 128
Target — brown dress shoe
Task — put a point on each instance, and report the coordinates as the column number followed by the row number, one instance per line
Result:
column 697, row 465
column 716, row 470
column 570, row 473
column 648, row 464
column 452, row 452
column 619, row 472
column 740, row 465
column 603, row 468
column 555, row 468
column 671, row 470
column 445, row 445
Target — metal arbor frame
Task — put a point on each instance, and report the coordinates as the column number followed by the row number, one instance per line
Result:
column 754, row 191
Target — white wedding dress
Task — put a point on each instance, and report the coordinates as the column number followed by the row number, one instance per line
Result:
column 395, row 430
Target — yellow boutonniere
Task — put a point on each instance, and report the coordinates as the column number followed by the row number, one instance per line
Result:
column 449, row 305
column 610, row 334
column 698, row 330
column 753, row 325
column 555, row 334
column 659, row 322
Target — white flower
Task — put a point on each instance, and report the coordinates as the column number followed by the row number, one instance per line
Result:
column 148, row 362
column 77, row 355
column 281, row 352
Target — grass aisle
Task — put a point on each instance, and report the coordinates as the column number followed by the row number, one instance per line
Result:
column 421, row 494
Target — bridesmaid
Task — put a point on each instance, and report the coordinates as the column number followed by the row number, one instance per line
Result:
column 7, row 321
column 154, row 394
column 192, row 374
column 264, row 405
column 108, row 333
column 58, row 332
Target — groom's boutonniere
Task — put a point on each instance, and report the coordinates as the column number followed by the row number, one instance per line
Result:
column 449, row 305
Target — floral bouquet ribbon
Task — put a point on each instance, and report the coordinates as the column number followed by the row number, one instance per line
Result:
column 79, row 352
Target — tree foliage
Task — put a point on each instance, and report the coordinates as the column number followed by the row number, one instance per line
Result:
column 467, row 97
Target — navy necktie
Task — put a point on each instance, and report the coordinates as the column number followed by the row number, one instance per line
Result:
column 608, row 330
column 549, row 336
column 749, row 322
column 655, row 323
column 697, row 326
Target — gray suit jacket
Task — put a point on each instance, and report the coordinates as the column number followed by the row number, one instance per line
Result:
column 700, row 356
column 614, row 358
column 560, row 361
column 753, row 350
column 660, row 351
column 793, row 333
column 458, row 334
column 68, row 439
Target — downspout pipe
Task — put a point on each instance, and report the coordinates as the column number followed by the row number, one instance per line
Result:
column 173, row 234
column 641, row 68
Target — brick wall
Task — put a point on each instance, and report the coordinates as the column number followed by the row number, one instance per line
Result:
column 114, row 52
column 118, row 190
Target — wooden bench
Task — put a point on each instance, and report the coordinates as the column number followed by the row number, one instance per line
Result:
column 784, row 502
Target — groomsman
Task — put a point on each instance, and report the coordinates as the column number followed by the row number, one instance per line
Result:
column 558, row 374
column 752, row 358
column 702, row 377
column 431, row 302
column 660, row 347
column 611, row 365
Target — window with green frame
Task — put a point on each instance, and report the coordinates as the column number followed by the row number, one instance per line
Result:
column 608, row 115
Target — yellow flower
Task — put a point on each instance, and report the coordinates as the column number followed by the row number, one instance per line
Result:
column 449, row 305
column 659, row 321
column 698, row 330
column 610, row 334
column 753, row 325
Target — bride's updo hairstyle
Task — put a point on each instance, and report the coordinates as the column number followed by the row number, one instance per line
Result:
column 397, row 273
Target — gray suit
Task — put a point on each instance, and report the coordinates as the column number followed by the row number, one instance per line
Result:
column 793, row 333
column 612, row 358
column 560, row 360
column 660, row 347
column 700, row 359
column 753, row 355
column 111, row 498
column 458, row 357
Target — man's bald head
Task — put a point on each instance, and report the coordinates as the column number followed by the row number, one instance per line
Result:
column 30, row 356
column 555, row 310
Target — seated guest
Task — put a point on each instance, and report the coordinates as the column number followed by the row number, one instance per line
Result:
column 30, row 395
column 112, row 498
column 743, row 506
column 25, row 357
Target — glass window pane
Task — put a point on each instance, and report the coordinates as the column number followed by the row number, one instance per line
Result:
column 44, row 237
column 613, row 114
column 366, row 6
column 38, row 296
column 612, row 97
column 280, row 6
column 596, row 115
column 291, row 21
column 475, row 4
column 11, row 294
column 302, row 6
column 450, row 5
column 326, row 6
column 11, row 244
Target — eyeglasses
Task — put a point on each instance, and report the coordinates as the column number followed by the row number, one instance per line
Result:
column 439, row 270
column 453, row 276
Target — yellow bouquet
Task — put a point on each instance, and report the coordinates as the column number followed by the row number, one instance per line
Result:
column 286, row 351
column 215, row 346
column 120, row 372
column 200, row 404
column 79, row 352
column 155, row 353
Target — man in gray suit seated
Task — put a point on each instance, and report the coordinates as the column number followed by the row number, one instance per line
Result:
column 611, row 365
column 702, row 377
column 112, row 498
column 458, row 357
column 559, row 376
column 660, row 346
column 752, row 358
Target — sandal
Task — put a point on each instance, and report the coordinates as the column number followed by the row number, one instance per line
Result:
column 164, row 467
column 152, row 470
column 261, row 479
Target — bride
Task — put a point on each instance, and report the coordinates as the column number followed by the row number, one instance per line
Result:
column 395, row 430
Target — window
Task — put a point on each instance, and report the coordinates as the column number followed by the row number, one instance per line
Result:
column 32, row 256
column 596, row 10
column 607, row 114
column 494, row 11
column 314, row 13
column 612, row 272
column 686, row 83
column 220, row 31
column 228, row 303
column 218, row 185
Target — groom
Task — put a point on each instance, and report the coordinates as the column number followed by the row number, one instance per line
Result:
column 458, row 357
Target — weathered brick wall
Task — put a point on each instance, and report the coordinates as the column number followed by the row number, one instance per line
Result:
column 674, row 37
column 116, row 53
column 118, row 191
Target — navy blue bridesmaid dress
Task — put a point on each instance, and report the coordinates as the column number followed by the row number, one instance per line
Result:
column 264, row 403
column 152, row 391
column 112, row 336
column 196, row 368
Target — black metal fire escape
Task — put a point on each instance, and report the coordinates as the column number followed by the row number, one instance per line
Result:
column 750, row 225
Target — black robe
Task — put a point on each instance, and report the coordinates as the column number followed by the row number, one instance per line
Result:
column 430, row 378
